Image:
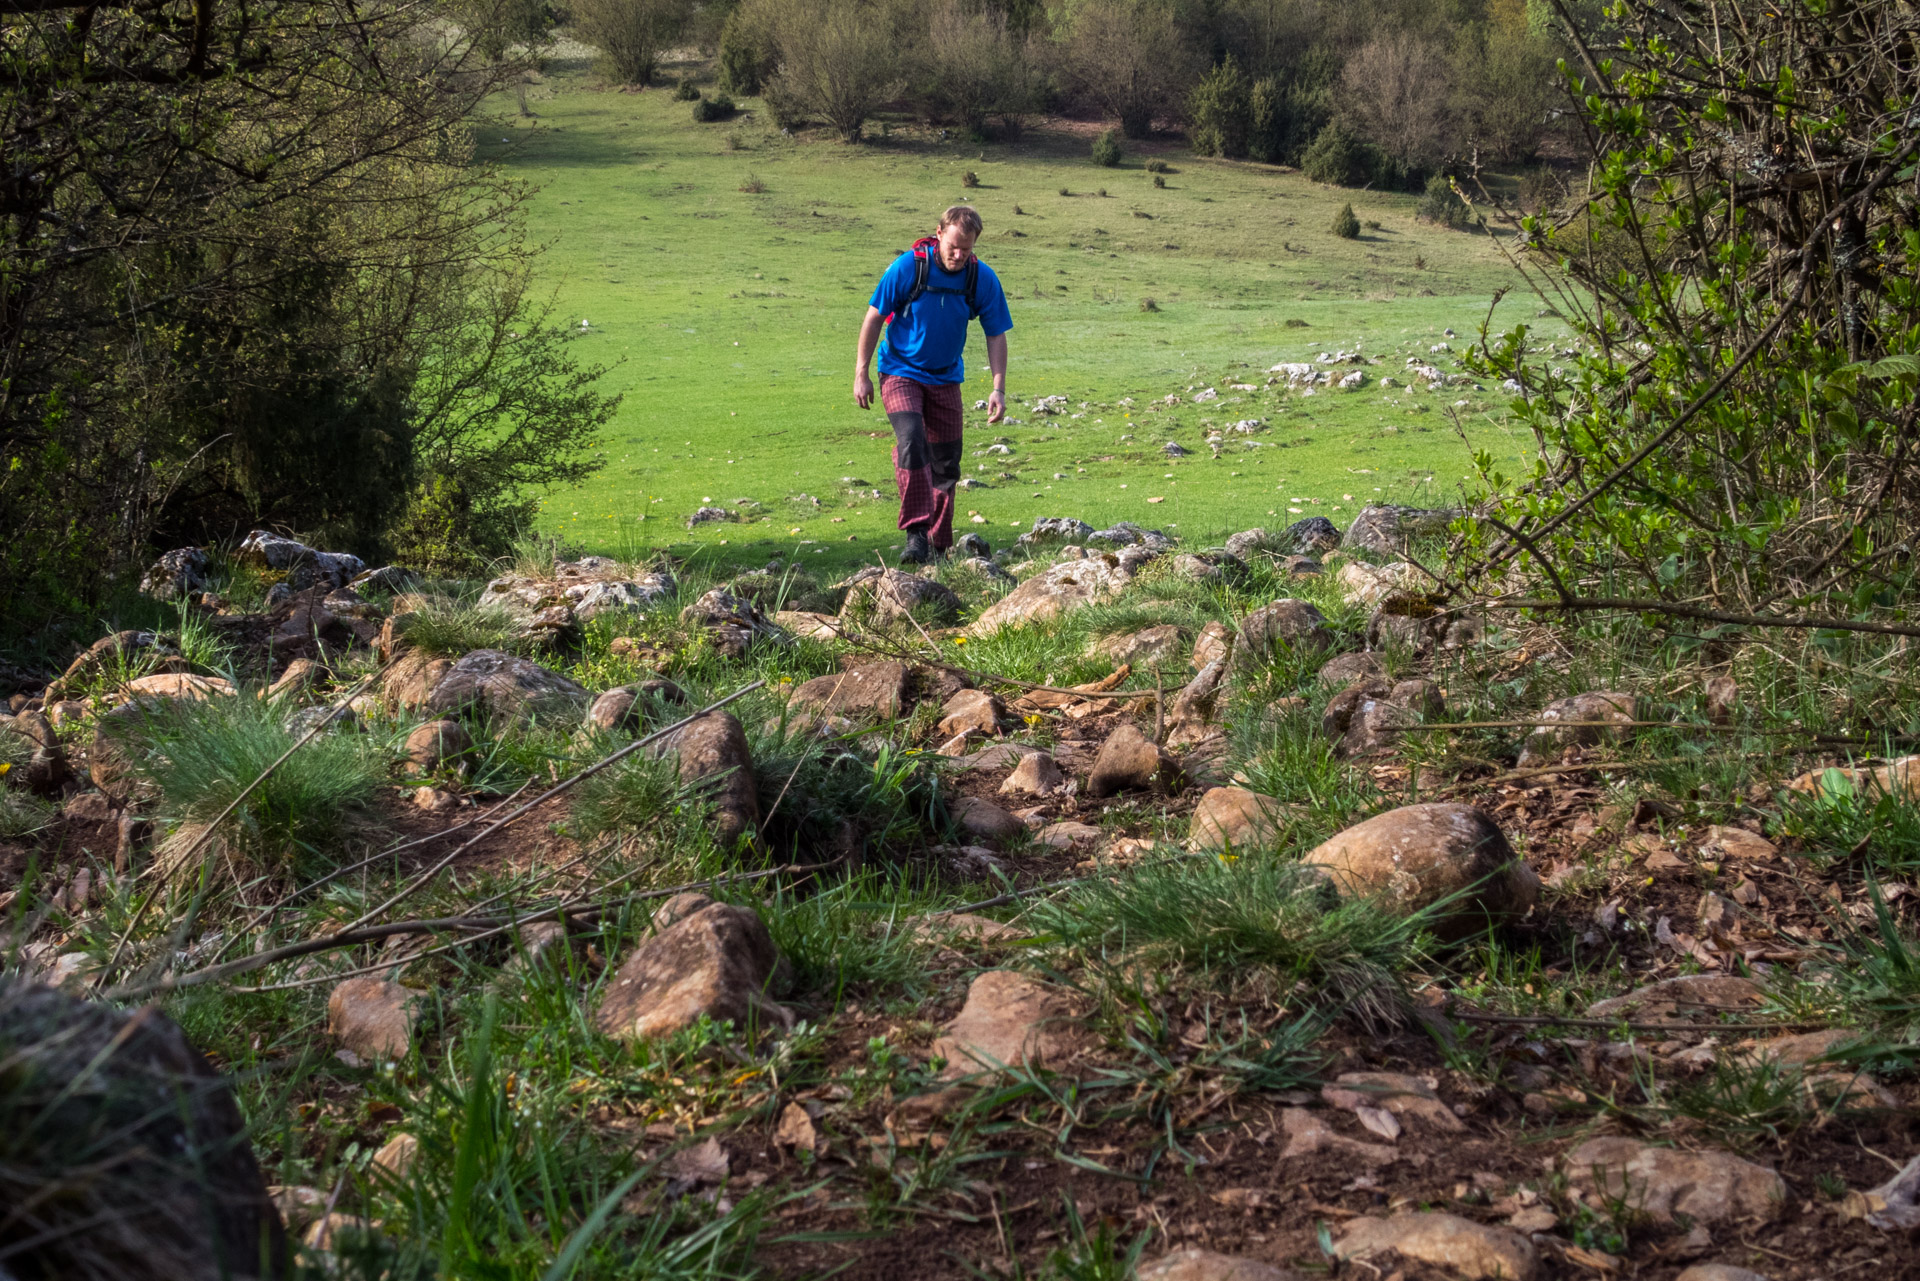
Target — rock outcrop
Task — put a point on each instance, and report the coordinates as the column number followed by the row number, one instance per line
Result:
column 506, row 687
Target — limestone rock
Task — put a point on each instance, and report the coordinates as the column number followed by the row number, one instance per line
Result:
column 1234, row 818
column 1308, row 1133
column 711, row 959
column 888, row 595
column 732, row 624
column 972, row 711
column 1059, row 529
column 1368, row 585
column 396, row 1155
column 1343, row 670
column 1466, row 1249
column 624, row 707
column 985, row 820
column 1707, row 1187
column 869, row 691
column 1052, row 593
column 1394, row 1092
column 1364, row 718
column 507, row 688
column 1719, row 1272
column 388, row 580
column 1209, row 567
column 1010, row 1019
column 371, row 1019
column 1214, row 643
column 964, row 927
column 1127, row 534
column 407, row 684
column 1145, row 649
column 1066, row 835
column 1035, row 774
column 1897, row 778
column 1386, row 529
column 1197, row 706
column 713, row 751
column 303, row 566
column 105, row 655
column 1205, row 1265
column 180, row 572
column 1691, row 998
column 1544, row 744
column 1415, row 856
column 595, row 598
column 301, row 676
column 1129, row 760
column 811, row 626
column 180, row 685
column 143, row 1140
column 1295, row 624
column 436, row 745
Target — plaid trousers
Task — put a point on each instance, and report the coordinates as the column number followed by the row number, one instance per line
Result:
column 926, row 453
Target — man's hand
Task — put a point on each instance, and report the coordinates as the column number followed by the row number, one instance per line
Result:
column 863, row 389
column 996, row 406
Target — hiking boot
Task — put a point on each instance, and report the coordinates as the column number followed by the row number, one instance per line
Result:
column 918, row 550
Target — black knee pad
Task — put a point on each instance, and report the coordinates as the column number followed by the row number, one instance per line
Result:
column 945, row 463
column 909, row 440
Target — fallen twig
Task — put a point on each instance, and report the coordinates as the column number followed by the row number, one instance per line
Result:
column 1531, row 1020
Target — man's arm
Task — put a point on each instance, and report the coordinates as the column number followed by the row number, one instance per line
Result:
column 863, row 357
column 997, row 361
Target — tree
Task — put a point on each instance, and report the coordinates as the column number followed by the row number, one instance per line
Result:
column 1394, row 92
column 1221, row 111
column 977, row 69
column 1504, row 88
column 631, row 34
column 1128, row 56
column 841, row 59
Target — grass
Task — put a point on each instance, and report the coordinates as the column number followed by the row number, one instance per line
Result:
column 729, row 315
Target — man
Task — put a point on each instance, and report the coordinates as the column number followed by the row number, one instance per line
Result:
column 925, row 301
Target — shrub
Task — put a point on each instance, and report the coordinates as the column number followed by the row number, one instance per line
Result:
column 1159, row 180
column 1221, row 111
column 1148, row 304
column 1341, row 159
column 630, row 34
column 839, row 59
column 1158, row 166
column 718, row 107
column 1345, row 225
column 686, row 92
column 969, row 179
column 753, row 186
column 747, row 51
column 783, row 105
column 1106, row 149
column 1442, row 204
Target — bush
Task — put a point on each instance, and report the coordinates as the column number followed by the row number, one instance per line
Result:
column 747, row 51
column 1341, row 159
column 969, row 179
column 978, row 70
column 839, row 59
column 1159, row 180
column 1442, row 204
column 630, row 34
column 752, row 185
column 1158, row 166
column 1345, row 225
column 686, row 92
column 1221, row 111
column 1106, row 149
column 718, row 107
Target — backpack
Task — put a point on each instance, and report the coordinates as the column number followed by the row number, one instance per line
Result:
column 923, row 267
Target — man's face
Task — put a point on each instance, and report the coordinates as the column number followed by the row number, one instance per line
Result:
column 956, row 246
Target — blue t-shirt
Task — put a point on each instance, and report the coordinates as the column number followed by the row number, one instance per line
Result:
column 925, row 341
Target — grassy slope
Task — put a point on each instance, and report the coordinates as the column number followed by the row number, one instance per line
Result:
column 732, row 317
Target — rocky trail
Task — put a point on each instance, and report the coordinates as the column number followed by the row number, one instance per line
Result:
column 1099, row 908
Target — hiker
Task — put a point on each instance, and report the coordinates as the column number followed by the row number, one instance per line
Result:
column 925, row 301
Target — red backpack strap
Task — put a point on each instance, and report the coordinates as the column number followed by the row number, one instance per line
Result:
column 922, row 265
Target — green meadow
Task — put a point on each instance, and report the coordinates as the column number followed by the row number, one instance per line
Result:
column 722, row 271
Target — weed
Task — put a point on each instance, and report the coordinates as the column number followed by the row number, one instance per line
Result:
column 21, row 813
column 1097, row 1257
column 969, row 179
column 1159, row 166
column 752, row 185
column 855, row 932
column 456, row 632
column 1148, row 304
column 686, row 91
column 1159, row 180
column 1293, row 322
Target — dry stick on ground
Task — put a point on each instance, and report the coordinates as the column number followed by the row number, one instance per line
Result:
column 1531, row 1020
column 1623, row 604
column 1762, row 731
column 206, row 836
column 544, row 797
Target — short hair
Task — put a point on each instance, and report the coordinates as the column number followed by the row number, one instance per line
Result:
column 966, row 217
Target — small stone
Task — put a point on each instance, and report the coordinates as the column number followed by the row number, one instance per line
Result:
column 712, row 960
column 1205, row 1265
column 1307, row 1133
column 1214, row 642
column 967, row 927
column 972, row 711
column 1146, row 649
column 1129, row 760
column 713, row 752
column 1066, row 835
column 1608, row 716
column 1234, row 818
column 875, row 691
column 1464, row 1248
column 1397, row 1093
column 1343, row 670
column 434, row 800
column 1718, row 916
column 888, row 595
column 1691, row 998
column 507, row 688
column 396, row 1155
column 1707, row 1187
column 1533, row 1219
column 1295, row 624
column 371, row 1018
column 1719, row 1272
column 1736, row 843
column 1035, row 775
column 1415, row 856
column 985, row 820
column 1011, row 1019
column 437, row 745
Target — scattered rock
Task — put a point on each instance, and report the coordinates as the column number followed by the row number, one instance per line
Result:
column 591, row 600
column 1343, row 670
column 1215, row 642
column 1308, row 1133
column 1127, row 534
column 985, row 820
column 888, row 595
column 1387, row 530
column 372, row 1019
column 1364, row 718
column 103, row 656
column 396, row 1155
column 972, row 711
column 967, row 927
column 1736, row 843
column 304, row 567
column 1292, row 623
column 713, row 751
column 1205, row 1265
column 1466, row 1249
column 1196, row 706
column 1049, row 594
column 998, row 756
column 1393, row 1092
column 180, row 685
column 1897, row 778
column 1066, row 835
column 708, row 515
column 506, row 687
column 1061, row 529
column 1707, row 1187
column 1368, row 585
column 1130, row 760
column 389, row 580
column 1691, row 998
column 1718, row 1272
column 1613, row 710
column 1209, row 567
column 435, row 800
column 180, row 572
column 1894, row 1206
column 869, row 691
column 732, row 624
column 1415, row 856
column 969, row 862
column 797, row 1131
column 301, row 676
column 972, row 546
column 811, row 626
column 435, row 745
column 1234, row 818
column 1145, row 649
column 1012, row 1020
column 408, row 683
column 624, row 707
column 1036, row 774
column 708, row 959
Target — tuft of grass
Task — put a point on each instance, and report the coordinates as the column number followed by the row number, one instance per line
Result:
column 200, row 757
column 853, row 934
column 21, row 813
column 752, row 184
column 1148, row 304
column 455, row 632
column 1248, row 914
